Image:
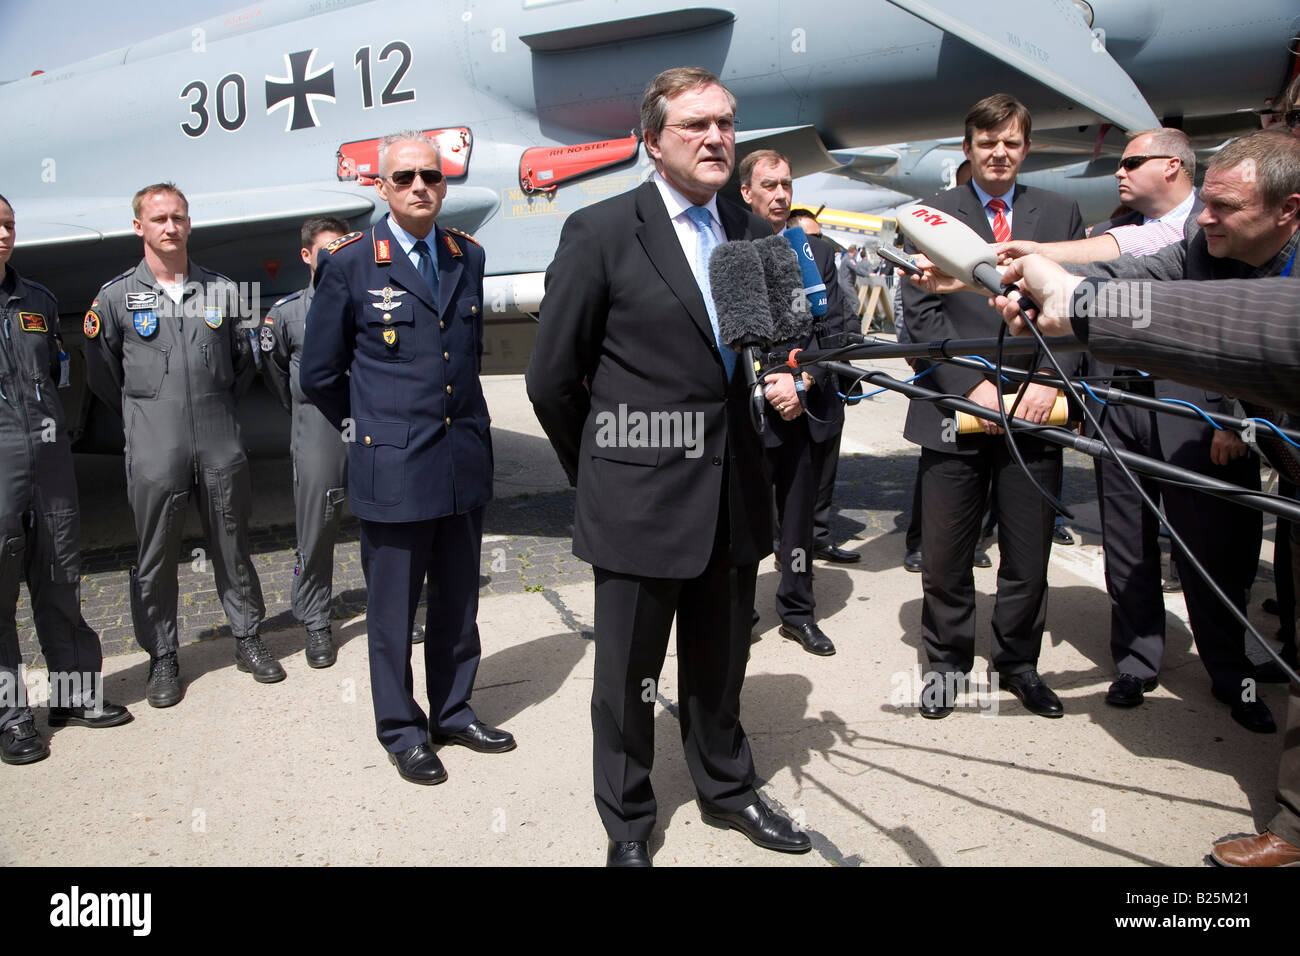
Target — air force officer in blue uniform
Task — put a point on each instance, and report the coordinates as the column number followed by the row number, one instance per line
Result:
column 392, row 355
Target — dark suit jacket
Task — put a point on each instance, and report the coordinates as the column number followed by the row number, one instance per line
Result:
column 1037, row 214
column 824, row 416
column 1240, row 336
column 420, row 447
column 623, row 315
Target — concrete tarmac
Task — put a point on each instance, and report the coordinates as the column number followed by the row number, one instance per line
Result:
column 241, row 773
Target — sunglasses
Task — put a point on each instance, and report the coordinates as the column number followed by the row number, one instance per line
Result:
column 1131, row 163
column 402, row 178
column 1292, row 118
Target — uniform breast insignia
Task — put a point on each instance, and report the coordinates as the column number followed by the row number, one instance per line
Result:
column 90, row 326
column 266, row 338
column 141, row 300
column 390, row 337
column 212, row 316
column 32, row 322
column 146, row 323
column 383, row 254
column 388, row 301
column 342, row 241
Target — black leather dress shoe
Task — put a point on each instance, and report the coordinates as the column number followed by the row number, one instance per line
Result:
column 1254, row 715
column 320, row 651
column 628, row 853
column 417, row 634
column 936, row 704
column 1061, row 535
column 981, row 559
column 254, row 657
column 764, row 827
column 811, row 637
column 837, row 555
column 479, row 736
column 912, row 562
column 419, row 765
column 1127, row 690
column 20, row 743
column 1030, row 690
column 105, row 715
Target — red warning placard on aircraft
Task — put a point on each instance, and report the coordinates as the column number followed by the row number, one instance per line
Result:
column 359, row 159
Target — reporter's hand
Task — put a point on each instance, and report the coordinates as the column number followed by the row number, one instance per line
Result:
column 780, row 394
column 1015, row 249
column 987, row 394
column 1225, row 446
column 1047, row 284
column 933, row 278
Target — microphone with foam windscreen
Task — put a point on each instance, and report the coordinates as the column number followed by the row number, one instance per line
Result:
column 791, row 316
column 744, row 316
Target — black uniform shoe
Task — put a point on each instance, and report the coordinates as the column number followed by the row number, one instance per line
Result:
column 981, row 559
column 417, row 634
column 419, row 765
column 1254, row 715
column 838, row 555
column 1061, row 535
column 320, row 650
column 104, row 715
column 764, row 827
column 164, row 688
column 479, row 736
column 1127, row 690
column 1030, row 690
column 252, row 655
column 628, row 853
column 20, row 743
column 935, row 702
column 811, row 637
column 912, row 561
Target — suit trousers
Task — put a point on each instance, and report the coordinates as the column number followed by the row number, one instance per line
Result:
column 1286, row 823
column 954, row 492
column 796, row 465
column 633, row 618
column 396, row 557
column 822, row 539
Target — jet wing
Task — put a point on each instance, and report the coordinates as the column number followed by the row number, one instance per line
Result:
column 1063, row 54
column 802, row 145
column 74, row 220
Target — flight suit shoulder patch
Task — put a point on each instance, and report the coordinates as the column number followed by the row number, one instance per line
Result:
column 90, row 326
column 342, row 241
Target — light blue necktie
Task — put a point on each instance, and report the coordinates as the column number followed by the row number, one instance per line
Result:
column 703, row 249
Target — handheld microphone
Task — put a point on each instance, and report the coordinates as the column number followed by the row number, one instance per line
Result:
column 740, row 296
column 813, row 287
column 952, row 246
column 791, row 316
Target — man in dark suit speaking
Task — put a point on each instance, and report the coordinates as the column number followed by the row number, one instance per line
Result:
column 957, row 470
column 393, row 350
column 675, row 523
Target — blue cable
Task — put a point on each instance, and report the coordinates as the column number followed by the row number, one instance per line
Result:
column 854, row 399
column 1178, row 401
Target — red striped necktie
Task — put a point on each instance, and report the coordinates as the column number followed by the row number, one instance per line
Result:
column 1001, row 231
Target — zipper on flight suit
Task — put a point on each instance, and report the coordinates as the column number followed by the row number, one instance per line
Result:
column 189, row 398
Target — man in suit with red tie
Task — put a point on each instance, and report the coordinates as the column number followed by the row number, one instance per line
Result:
column 674, row 529
column 957, row 470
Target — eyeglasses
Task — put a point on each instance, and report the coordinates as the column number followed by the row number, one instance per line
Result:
column 1292, row 118
column 1131, row 163
column 700, row 127
column 402, row 178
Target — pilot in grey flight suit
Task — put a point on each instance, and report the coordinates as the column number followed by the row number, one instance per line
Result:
column 172, row 367
column 40, row 527
column 320, row 457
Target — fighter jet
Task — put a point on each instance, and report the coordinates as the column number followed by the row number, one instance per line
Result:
column 272, row 113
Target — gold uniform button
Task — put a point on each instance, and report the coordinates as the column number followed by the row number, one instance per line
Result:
column 367, row 439
column 447, row 420
column 442, row 325
column 448, row 389
column 446, row 356
column 473, row 310
column 388, row 317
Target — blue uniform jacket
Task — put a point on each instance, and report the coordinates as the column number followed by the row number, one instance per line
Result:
column 398, row 374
